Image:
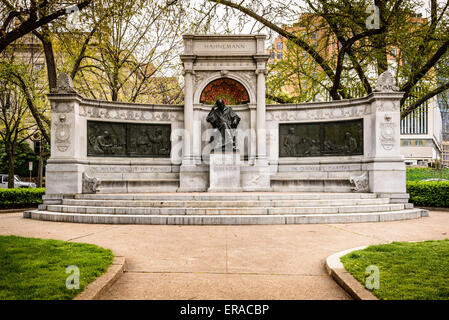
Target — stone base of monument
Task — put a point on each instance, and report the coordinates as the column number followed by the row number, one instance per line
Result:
column 224, row 172
column 207, row 208
column 193, row 178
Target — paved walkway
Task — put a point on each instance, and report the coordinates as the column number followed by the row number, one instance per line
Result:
column 228, row 262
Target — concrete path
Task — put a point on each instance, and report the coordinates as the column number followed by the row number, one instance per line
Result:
column 228, row 262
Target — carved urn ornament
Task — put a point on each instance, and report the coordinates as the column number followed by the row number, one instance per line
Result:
column 385, row 82
column 64, row 84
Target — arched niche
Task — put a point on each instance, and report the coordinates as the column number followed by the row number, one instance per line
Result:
column 231, row 91
column 248, row 86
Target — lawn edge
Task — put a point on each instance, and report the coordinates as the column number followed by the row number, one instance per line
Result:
column 350, row 284
column 99, row 286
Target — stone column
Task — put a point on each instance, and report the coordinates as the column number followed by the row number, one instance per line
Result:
column 188, row 117
column 253, row 133
column 260, row 116
column 257, row 177
column 196, row 134
column 191, row 175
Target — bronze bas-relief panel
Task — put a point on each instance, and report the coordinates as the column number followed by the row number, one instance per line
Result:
column 336, row 138
column 114, row 139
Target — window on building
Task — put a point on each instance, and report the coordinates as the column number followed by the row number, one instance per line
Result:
column 279, row 55
column 271, row 55
column 315, row 35
column 394, row 52
column 279, row 45
column 405, row 143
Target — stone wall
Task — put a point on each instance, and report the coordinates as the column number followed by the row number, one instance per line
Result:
column 380, row 168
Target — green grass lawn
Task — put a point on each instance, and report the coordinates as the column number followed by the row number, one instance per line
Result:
column 417, row 174
column 36, row 268
column 408, row 271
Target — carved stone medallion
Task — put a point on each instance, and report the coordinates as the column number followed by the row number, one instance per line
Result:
column 62, row 133
column 387, row 133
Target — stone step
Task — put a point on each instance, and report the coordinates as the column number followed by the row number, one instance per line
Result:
column 222, row 203
column 203, row 196
column 223, row 210
column 226, row 219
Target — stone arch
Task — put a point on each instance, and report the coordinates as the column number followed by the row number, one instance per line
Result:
column 231, row 91
column 218, row 75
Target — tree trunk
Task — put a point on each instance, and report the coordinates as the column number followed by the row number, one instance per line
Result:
column 10, row 155
column 40, row 166
column 45, row 39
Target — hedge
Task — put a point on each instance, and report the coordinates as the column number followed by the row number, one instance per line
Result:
column 20, row 197
column 429, row 193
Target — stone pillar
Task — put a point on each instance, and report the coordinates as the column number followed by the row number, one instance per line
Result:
column 188, row 117
column 191, row 175
column 253, row 133
column 260, row 116
column 68, row 136
column 196, row 135
column 385, row 163
column 257, row 177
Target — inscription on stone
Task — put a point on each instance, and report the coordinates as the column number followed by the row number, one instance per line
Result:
column 336, row 138
column 224, row 46
column 113, row 139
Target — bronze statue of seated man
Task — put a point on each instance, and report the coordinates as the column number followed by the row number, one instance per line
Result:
column 225, row 120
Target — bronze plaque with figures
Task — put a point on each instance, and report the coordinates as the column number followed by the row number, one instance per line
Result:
column 115, row 139
column 336, row 138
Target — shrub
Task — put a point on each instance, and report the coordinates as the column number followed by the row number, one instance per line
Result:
column 429, row 193
column 20, row 197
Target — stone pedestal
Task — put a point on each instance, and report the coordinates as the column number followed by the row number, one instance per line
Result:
column 224, row 174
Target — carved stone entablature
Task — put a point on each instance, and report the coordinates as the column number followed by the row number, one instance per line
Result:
column 90, row 184
column 387, row 133
column 64, row 84
column 62, row 133
column 231, row 65
column 318, row 114
column 361, row 183
column 112, row 113
column 386, row 83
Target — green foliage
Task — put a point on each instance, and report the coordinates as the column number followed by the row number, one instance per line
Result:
column 35, row 269
column 407, row 271
column 20, row 197
column 23, row 155
column 429, row 193
column 416, row 174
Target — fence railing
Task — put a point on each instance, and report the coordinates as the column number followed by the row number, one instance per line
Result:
column 416, row 174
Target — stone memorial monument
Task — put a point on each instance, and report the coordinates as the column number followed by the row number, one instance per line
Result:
column 224, row 138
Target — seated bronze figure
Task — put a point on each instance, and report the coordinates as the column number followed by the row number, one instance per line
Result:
column 225, row 120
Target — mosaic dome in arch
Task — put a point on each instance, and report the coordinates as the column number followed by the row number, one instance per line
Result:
column 229, row 90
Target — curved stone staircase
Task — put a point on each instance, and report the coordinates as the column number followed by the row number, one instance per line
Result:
column 224, row 208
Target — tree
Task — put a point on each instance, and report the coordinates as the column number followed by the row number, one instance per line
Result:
column 127, row 43
column 21, row 17
column 361, row 48
column 16, row 127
